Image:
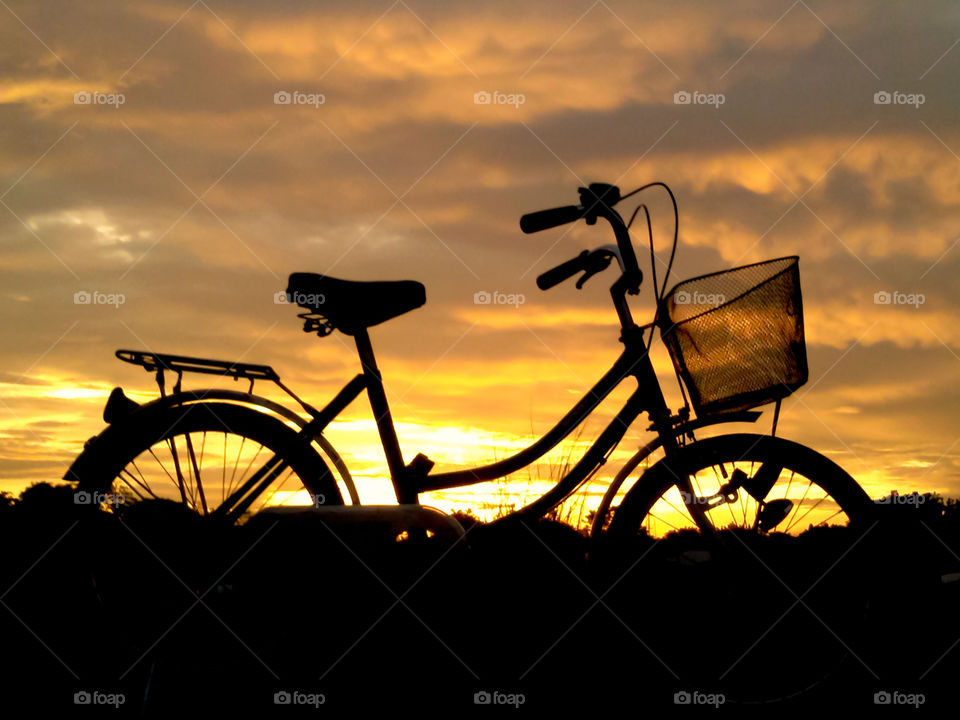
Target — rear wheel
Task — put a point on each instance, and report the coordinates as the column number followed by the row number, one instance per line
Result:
column 163, row 475
column 212, row 458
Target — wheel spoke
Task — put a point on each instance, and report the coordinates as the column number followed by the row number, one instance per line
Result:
column 139, row 481
column 797, row 508
column 235, row 462
column 675, row 509
column 279, row 486
column 196, row 474
column 657, row 517
column 809, row 510
column 176, row 464
column 129, row 485
column 142, row 480
column 164, row 468
column 789, row 483
column 824, row 523
column 741, row 501
column 250, row 464
column 733, row 518
column 223, row 476
column 172, row 454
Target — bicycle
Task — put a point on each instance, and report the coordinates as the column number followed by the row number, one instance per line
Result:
column 735, row 337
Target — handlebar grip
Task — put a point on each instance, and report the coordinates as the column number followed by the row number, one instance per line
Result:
column 561, row 272
column 543, row 219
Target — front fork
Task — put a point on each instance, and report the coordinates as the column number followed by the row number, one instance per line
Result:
column 662, row 423
column 757, row 486
column 694, row 504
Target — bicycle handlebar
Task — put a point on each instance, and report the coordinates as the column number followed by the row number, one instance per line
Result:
column 596, row 201
column 589, row 261
column 563, row 271
column 545, row 219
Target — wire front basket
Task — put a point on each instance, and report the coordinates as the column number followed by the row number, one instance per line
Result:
column 736, row 337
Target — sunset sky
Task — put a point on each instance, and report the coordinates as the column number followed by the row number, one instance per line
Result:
column 197, row 195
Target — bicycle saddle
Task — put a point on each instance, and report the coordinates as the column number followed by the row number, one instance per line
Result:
column 350, row 306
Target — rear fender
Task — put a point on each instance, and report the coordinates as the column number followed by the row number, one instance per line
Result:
column 120, row 412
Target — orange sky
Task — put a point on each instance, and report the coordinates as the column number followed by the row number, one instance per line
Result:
column 198, row 195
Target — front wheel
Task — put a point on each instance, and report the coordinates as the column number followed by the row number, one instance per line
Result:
column 212, row 458
column 759, row 483
column 748, row 551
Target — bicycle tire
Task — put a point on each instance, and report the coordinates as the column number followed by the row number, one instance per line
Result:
column 739, row 448
column 752, row 640
column 106, row 459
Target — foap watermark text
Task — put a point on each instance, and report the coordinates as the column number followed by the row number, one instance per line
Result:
column 482, row 297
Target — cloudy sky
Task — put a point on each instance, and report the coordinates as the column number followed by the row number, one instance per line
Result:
column 820, row 129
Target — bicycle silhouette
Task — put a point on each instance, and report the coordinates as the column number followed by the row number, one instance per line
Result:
column 736, row 339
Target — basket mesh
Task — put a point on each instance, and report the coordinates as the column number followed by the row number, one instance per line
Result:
column 736, row 337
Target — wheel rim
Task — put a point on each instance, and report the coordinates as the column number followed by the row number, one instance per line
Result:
column 738, row 591
column 205, row 469
column 215, row 459
column 810, row 505
column 736, row 478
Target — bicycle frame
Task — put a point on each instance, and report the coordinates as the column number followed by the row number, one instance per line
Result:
column 411, row 480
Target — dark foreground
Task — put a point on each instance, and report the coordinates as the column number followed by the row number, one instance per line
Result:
column 159, row 613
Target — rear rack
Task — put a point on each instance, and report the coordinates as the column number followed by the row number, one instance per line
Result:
column 158, row 363
column 154, row 362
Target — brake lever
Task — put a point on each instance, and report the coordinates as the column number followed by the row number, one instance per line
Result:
column 614, row 253
column 599, row 263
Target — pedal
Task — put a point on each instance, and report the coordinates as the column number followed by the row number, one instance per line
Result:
column 773, row 513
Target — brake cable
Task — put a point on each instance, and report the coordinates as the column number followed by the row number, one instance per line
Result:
column 660, row 292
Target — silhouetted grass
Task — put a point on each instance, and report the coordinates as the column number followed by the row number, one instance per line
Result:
column 179, row 613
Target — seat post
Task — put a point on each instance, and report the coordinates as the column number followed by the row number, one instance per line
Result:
column 381, row 413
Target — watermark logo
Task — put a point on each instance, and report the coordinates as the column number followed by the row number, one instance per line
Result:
column 895, row 97
column 499, row 698
column 284, row 97
column 896, row 697
column 496, row 97
column 685, row 97
column 692, row 499
column 86, row 697
column 318, row 499
column 883, row 297
column 86, row 97
column 896, row 498
column 699, row 698
column 482, row 297
column 84, row 297
column 295, row 697
column 299, row 298
column 698, row 298
column 82, row 497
